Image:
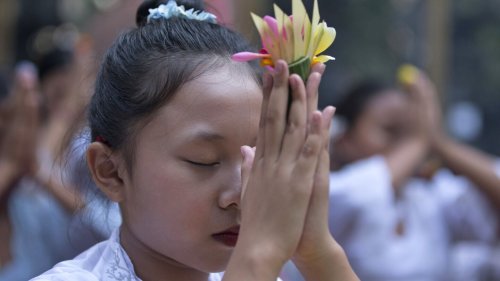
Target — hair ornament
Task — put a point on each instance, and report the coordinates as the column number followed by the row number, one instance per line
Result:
column 171, row 9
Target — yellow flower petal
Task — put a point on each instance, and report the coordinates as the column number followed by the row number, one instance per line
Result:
column 290, row 47
column 259, row 23
column 314, row 27
column 267, row 37
column 322, row 59
column 301, row 27
column 326, row 39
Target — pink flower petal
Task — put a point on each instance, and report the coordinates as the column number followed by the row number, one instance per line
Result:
column 273, row 24
column 269, row 68
column 284, row 33
column 248, row 56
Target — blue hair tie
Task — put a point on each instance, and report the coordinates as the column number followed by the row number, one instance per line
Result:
column 172, row 10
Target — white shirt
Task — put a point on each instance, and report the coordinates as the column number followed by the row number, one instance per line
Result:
column 364, row 214
column 106, row 261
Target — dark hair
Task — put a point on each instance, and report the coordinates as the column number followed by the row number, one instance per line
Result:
column 354, row 102
column 53, row 61
column 4, row 86
column 148, row 64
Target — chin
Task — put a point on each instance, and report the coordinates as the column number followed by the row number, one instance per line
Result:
column 216, row 262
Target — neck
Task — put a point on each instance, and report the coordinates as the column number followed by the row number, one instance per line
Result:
column 152, row 265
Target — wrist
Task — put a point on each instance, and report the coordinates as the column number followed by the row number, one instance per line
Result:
column 327, row 249
column 439, row 142
column 9, row 175
column 253, row 262
column 8, row 171
column 330, row 264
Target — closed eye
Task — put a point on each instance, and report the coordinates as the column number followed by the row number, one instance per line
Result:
column 202, row 164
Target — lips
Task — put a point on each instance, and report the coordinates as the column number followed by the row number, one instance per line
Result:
column 228, row 237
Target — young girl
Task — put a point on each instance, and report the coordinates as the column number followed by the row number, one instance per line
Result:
column 394, row 206
column 172, row 121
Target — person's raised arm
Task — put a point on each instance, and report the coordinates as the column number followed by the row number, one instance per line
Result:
column 462, row 159
column 404, row 158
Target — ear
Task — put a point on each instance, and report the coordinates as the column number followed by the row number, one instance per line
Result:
column 106, row 168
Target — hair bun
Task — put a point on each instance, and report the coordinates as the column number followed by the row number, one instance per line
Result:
column 143, row 11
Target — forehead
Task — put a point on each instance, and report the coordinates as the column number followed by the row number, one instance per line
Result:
column 388, row 102
column 222, row 101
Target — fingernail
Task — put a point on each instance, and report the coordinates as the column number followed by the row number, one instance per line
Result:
column 293, row 82
column 332, row 109
column 243, row 150
column 279, row 67
column 26, row 73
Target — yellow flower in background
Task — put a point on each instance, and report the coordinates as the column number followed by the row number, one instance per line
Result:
column 407, row 74
column 295, row 39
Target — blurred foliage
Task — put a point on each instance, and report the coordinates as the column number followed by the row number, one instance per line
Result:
column 475, row 64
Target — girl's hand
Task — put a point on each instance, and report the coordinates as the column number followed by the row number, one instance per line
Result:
column 280, row 182
column 318, row 255
column 316, row 235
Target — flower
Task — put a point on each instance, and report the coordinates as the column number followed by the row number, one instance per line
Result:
column 295, row 39
column 407, row 74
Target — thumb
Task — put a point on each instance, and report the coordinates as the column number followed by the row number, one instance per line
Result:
column 246, row 166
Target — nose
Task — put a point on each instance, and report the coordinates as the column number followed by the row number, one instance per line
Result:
column 230, row 195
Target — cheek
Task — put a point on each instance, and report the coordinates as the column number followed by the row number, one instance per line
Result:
column 163, row 196
column 372, row 141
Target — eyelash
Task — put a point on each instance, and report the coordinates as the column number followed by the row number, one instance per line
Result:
column 207, row 165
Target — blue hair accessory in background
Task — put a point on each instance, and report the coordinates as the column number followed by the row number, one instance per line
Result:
column 172, row 10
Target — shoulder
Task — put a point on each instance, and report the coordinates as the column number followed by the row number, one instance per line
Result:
column 372, row 167
column 368, row 179
column 80, row 268
column 104, row 261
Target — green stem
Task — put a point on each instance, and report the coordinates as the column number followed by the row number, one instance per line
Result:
column 302, row 67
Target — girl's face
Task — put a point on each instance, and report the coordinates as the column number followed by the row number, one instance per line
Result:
column 381, row 125
column 182, row 197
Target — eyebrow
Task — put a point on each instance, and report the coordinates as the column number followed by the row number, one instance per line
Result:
column 206, row 136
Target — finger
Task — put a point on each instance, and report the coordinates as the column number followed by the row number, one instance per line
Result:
column 318, row 205
column 296, row 127
column 275, row 120
column 25, row 79
column 319, row 68
column 266, row 91
column 327, row 116
column 306, row 164
column 312, row 93
column 246, row 167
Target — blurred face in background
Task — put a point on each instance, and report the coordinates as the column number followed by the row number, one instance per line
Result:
column 55, row 87
column 381, row 124
column 3, row 103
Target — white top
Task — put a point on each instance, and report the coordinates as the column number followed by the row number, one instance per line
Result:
column 105, row 261
column 364, row 214
column 43, row 233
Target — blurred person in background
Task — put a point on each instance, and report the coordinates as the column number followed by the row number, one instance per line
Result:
column 404, row 191
column 39, row 201
column 30, row 220
column 66, row 78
